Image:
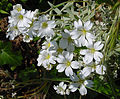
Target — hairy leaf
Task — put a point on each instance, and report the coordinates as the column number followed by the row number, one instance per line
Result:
column 7, row 56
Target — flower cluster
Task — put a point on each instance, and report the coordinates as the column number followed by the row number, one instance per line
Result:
column 27, row 24
column 60, row 53
column 21, row 22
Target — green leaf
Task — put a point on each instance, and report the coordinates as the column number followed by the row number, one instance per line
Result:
column 57, row 11
column 13, row 68
column 40, row 1
column 51, row 5
column 7, row 56
column 36, row 39
column 116, row 5
column 67, row 6
column 23, row 1
column 28, row 73
column 3, row 12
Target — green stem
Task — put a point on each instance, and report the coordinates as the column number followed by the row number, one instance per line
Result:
column 65, row 97
column 59, row 6
column 109, row 46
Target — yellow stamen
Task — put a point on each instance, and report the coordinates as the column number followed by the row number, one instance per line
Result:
column 48, row 45
column 27, row 36
column 19, row 9
column 44, row 25
column 92, row 50
column 69, row 39
column 20, row 17
column 59, row 50
column 84, row 31
column 68, row 63
column 48, row 56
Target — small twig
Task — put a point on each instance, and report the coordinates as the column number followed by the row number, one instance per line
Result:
column 80, row 97
column 65, row 97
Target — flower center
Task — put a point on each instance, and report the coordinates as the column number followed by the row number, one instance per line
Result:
column 84, row 32
column 94, row 66
column 81, row 81
column 20, row 17
column 44, row 25
column 19, row 9
column 48, row 45
column 48, row 56
column 59, row 50
column 60, row 88
column 69, row 39
column 27, row 36
column 15, row 27
column 92, row 50
column 48, row 65
column 68, row 63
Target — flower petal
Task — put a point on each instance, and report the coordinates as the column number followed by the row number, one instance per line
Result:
column 88, row 58
column 61, row 84
column 74, row 64
column 60, row 67
column 40, row 60
column 68, row 71
column 83, row 52
column 82, row 40
column 90, row 37
column 98, row 55
column 98, row 45
column 88, row 25
column 60, row 59
column 86, row 71
column 68, row 55
column 73, row 87
column 88, row 83
column 63, row 43
column 78, row 24
column 70, row 47
column 83, row 90
column 75, row 34
column 100, row 69
column 74, row 77
column 51, row 24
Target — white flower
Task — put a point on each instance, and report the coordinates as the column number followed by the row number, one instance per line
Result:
column 20, row 19
column 45, row 58
column 100, row 69
column 54, row 46
column 49, row 45
column 66, row 41
column 66, row 63
column 81, row 34
column 27, row 38
column 21, row 22
column 48, row 66
column 17, row 9
column 61, row 89
column 79, row 83
column 12, row 31
column 14, row 94
column 45, row 27
column 58, row 49
column 92, row 52
column 32, row 15
column 29, row 31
